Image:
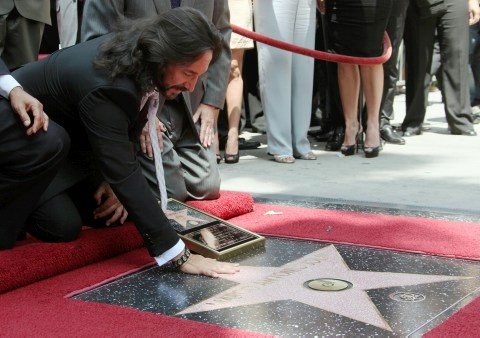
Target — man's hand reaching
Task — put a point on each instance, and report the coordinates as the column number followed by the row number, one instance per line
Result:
column 108, row 205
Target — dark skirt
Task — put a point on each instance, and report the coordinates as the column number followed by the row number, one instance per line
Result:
column 356, row 27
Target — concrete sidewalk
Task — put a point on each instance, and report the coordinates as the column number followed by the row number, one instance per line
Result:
column 435, row 171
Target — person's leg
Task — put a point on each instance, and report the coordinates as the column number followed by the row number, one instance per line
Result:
column 302, row 79
column 419, row 38
column 253, row 106
column 395, row 29
column 56, row 220
column 334, row 110
column 22, row 41
column 475, row 64
column 372, row 82
column 198, row 167
column 453, row 38
column 234, row 99
column 67, row 19
column 28, row 164
column 349, row 85
column 275, row 71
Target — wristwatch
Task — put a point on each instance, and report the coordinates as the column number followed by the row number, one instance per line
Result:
column 177, row 263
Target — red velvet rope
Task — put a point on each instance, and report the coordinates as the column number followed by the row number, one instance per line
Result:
column 387, row 49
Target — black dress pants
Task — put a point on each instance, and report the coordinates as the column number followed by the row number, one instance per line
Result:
column 395, row 28
column 453, row 35
column 27, row 165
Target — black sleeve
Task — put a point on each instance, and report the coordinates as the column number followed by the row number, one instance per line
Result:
column 107, row 123
column 3, row 68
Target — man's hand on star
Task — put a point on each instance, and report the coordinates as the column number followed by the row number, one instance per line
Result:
column 199, row 265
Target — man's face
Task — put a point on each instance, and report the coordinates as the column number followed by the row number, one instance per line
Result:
column 177, row 78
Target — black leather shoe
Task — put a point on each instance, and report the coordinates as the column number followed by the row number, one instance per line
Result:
column 412, row 131
column 335, row 141
column 389, row 135
column 466, row 133
column 244, row 144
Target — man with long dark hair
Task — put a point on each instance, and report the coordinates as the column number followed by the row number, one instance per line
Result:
column 93, row 92
column 188, row 123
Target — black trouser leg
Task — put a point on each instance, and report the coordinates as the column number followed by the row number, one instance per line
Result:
column 27, row 165
column 395, row 28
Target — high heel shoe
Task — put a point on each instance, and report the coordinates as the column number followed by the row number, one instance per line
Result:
column 350, row 149
column 219, row 158
column 232, row 146
column 372, row 151
column 230, row 159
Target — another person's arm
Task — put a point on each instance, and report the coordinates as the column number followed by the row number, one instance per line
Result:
column 108, row 205
column 22, row 103
column 218, row 75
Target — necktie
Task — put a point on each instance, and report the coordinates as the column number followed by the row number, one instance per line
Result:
column 175, row 3
column 151, row 101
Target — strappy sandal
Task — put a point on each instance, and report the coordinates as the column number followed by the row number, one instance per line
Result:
column 308, row 156
column 284, row 158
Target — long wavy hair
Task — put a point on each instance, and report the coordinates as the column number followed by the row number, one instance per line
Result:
column 178, row 36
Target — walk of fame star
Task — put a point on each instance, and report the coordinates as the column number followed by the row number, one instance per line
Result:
column 267, row 284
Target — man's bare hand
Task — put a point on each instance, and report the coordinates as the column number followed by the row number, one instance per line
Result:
column 208, row 116
column 146, row 143
column 110, row 205
column 25, row 106
column 199, row 265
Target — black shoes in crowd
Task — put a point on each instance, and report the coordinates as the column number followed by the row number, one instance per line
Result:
column 390, row 136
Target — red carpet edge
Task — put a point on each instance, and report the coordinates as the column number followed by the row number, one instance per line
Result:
column 408, row 234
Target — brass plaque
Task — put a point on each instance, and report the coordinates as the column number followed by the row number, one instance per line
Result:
column 208, row 235
column 328, row 284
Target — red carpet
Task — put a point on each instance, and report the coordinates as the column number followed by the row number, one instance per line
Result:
column 35, row 261
column 41, row 308
column 411, row 234
column 31, row 260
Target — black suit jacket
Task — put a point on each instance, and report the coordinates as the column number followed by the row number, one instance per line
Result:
column 3, row 68
column 86, row 102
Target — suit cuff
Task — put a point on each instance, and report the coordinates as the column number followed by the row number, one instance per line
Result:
column 7, row 83
column 170, row 254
